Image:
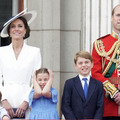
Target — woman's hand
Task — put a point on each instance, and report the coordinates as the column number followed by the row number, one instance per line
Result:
column 8, row 107
column 22, row 109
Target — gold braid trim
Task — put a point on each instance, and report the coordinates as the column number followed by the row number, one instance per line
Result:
column 100, row 50
column 110, row 63
column 110, row 88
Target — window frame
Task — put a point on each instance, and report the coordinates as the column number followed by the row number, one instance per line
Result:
column 20, row 5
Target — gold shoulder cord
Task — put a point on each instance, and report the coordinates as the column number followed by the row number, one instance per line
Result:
column 100, row 50
column 109, row 88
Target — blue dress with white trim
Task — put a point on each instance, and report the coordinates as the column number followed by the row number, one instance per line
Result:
column 43, row 108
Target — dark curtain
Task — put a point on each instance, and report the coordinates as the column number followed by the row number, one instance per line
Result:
column 5, row 15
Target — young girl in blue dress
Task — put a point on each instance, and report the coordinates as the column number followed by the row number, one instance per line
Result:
column 43, row 98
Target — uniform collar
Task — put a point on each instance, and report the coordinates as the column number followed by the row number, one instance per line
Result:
column 115, row 35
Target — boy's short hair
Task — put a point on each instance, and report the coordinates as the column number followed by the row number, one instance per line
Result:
column 83, row 54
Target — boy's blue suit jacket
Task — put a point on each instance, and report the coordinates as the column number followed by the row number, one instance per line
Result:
column 75, row 106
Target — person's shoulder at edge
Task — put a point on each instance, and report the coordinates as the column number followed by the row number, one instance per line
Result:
column 70, row 80
column 97, row 81
column 32, row 49
column 103, row 37
column 4, row 47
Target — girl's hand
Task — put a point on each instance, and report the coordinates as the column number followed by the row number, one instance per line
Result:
column 46, row 90
column 36, row 86
column 51, row 76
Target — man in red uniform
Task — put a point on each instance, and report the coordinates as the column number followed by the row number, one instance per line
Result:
column 106, row 68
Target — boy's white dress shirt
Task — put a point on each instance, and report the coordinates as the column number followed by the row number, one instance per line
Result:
column 82, row 81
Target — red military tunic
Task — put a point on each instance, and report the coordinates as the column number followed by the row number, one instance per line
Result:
column 110, row 107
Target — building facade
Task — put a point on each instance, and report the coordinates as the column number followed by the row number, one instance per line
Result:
column 62, row 28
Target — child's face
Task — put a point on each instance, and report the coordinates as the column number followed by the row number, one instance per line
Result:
column 83, row 66
column 42, row 79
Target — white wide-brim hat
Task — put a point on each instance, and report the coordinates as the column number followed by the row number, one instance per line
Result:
column 29, row 16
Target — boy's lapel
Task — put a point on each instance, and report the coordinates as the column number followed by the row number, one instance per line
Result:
column 79, row 88
column 91, row 89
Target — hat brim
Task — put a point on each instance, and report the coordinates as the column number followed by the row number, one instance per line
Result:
column 29, row 16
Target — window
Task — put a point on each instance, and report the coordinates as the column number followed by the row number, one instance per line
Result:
column 20, row 5
column 5, row 14
column 6, row 11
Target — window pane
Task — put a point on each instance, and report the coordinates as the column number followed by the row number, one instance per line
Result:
column 5, row 14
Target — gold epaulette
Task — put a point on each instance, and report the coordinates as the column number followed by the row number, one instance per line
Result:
column 110, row 88
column 101, row 51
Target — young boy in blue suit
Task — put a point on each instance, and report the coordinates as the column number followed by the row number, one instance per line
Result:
column 83, row 96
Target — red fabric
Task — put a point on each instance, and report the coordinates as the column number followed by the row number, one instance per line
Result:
column 110, row 107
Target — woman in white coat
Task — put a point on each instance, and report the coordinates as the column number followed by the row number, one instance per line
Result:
column 18, row 61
